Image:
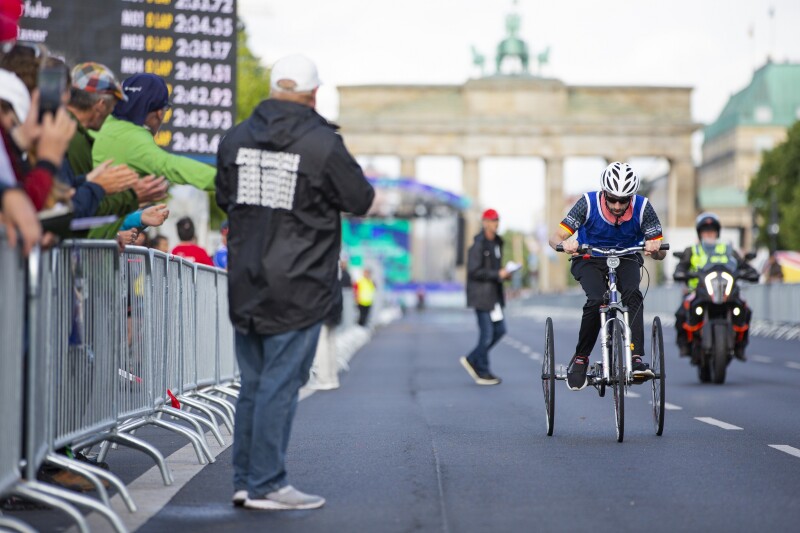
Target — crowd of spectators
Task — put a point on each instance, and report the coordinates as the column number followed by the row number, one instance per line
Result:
column 94, row 158
column 78, row 157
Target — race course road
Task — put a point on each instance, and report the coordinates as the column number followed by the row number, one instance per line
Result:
column 410, row 443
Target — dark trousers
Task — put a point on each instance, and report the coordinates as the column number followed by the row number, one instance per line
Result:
column 363, row 314
column 591, row 274
column 489, row 333
column 273, row 369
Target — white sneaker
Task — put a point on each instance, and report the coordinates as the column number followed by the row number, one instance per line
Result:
column 285, row 499
column 239, row 497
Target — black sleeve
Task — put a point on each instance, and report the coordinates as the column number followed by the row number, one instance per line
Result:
column 651, row 226
column 352, row 193
column 744, row 269
column 222, row 179
column 682, row 270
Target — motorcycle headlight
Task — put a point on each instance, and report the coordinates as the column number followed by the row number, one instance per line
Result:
column 709, row 281
column 729, row 280
column 737, row 311
column 698, row 310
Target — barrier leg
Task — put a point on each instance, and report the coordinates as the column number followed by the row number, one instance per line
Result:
column 221, row 403
column 196, row 421
column 82, row 470
column 100, row 473
column 23, row 491
column 12, row 524
column 210, row 411
column 200, row 446
column 227, row 391
column 79, row 499
column 138, row 444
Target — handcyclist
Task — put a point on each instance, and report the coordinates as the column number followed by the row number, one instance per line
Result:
column 614, row 217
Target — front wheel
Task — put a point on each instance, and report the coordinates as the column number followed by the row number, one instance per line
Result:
column 618, row 378
column 720, row 351
column 658, row 382
column 703, row 364
column 549, row 377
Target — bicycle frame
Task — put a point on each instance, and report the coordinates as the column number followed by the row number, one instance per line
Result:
column 609, row 311
column 608, row 315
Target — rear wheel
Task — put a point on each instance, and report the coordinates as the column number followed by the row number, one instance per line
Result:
column 720, row 363
column 618, row 378
column 549, row 376
column 658, row 382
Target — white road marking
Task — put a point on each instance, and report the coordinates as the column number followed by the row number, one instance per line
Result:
column 632, row 394
column 672, row 407
column 761, row 359
column 536, row 356
column 792, row 364
column 525, row 349
column 715, row 422
column 786, row 449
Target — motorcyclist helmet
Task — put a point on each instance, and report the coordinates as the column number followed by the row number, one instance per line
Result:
column 706, row 221
column 620, row 180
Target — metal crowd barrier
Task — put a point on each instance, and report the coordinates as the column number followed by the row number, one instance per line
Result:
column 114, row 342
column 12, row 332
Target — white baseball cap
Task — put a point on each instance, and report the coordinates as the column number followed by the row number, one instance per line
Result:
column 297, row 69
column 13, row 91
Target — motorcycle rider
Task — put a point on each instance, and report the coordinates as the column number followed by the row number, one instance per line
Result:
column 710, row 249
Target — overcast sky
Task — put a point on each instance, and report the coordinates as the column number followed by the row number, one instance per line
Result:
column 710, row 45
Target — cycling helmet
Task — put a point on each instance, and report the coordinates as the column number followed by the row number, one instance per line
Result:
column 707, row 220
column 620, row 180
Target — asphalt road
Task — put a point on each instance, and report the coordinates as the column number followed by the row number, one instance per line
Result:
column 410, row 443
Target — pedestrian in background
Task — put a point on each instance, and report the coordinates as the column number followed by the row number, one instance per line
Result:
column 188, row 247
column 365, row 294
column 485, row 276
column 284, row 177
column 221, row 255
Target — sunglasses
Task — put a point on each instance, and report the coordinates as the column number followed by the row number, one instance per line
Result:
column 614, row 200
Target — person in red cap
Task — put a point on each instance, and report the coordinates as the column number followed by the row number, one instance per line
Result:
column 485, row 276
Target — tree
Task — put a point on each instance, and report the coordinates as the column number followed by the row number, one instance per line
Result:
column 252, row 78
column 778, row 180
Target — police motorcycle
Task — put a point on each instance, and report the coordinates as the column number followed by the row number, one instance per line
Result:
column 716, row 318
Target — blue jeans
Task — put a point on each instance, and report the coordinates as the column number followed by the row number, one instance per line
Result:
column 490, row 333
column 273, row 368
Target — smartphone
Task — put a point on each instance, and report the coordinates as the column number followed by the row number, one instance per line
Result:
column 52, row 84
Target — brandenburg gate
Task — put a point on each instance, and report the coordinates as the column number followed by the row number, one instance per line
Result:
column 522, row 115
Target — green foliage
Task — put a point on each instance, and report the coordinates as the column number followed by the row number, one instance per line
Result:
column 779, row 172
column 252, row 78
column 512, row 239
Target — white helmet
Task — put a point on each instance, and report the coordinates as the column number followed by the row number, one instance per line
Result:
column 620, row 180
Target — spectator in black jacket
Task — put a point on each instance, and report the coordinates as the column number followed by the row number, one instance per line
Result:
column 485, row 276
column 284, row 177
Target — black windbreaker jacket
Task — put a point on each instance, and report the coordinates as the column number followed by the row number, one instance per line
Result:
column 484, row 286
column 284, row 177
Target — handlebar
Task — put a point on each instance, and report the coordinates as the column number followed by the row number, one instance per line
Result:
column 587, row 249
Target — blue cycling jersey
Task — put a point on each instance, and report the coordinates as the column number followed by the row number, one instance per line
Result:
column 598, row 232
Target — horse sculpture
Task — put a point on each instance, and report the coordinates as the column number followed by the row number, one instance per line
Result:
column 512, row 46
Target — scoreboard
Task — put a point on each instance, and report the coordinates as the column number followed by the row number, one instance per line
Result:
column 189, row 43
